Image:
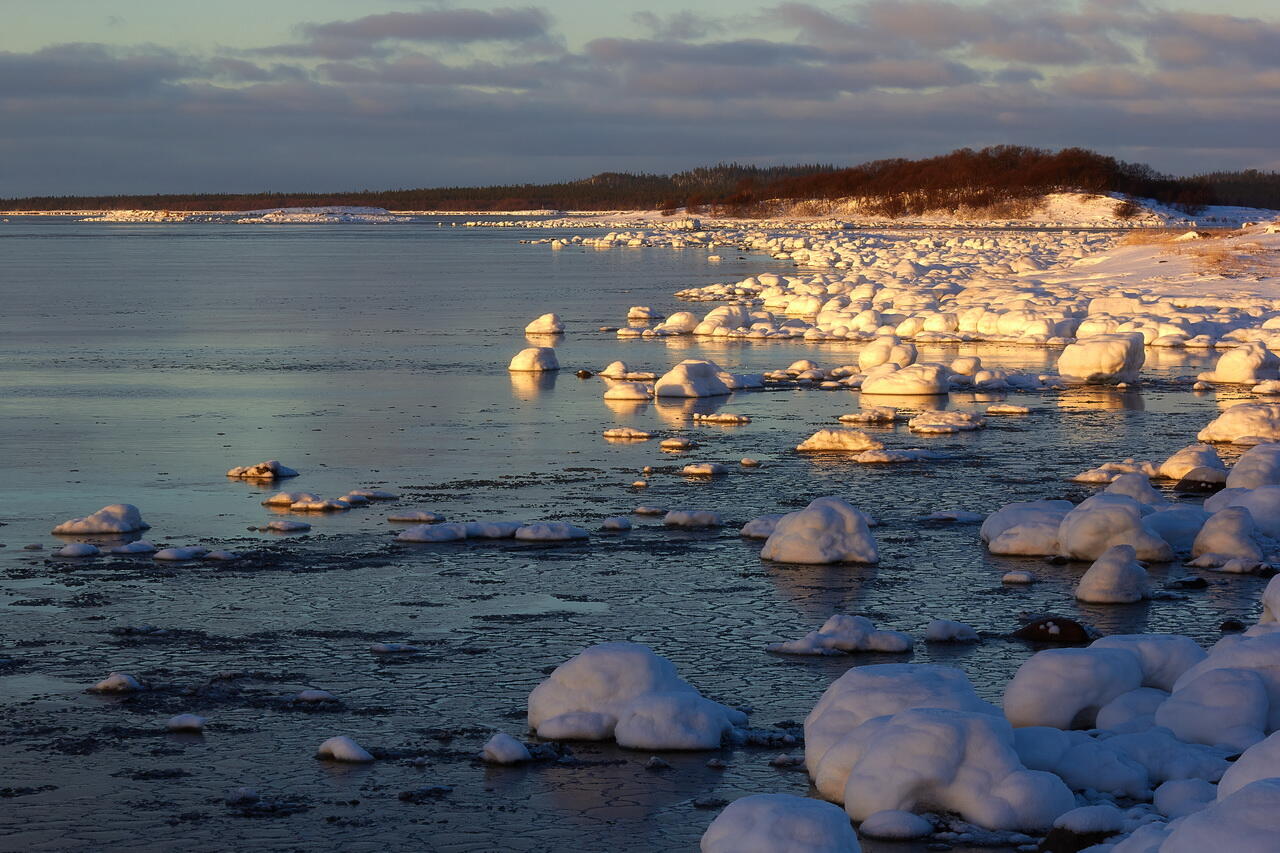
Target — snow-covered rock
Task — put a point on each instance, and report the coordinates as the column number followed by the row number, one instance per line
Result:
column 534, row 360
column 451, row 532
column 547, row 324
column 502, row 748
column 844, row 633
column 550, row 531
column 269, row 470
column 1025, row 528
column 1242, row 420
column 1064, row 687
column 1106, row 520
column 1116, row 577
column 1249, row 363
column 949, row 631
column 344, row 749
column 1106, row 358
column 116, row 518
column 626, row 692
column 914, row 380
column 692, row 378
column 692, row 518
column 839, row 441
column 780, row 823
column 828, row 530
column 78, row 550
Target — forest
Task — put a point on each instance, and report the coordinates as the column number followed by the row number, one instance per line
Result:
column 964, row 178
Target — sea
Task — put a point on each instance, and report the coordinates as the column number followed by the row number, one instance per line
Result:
column 141, row 361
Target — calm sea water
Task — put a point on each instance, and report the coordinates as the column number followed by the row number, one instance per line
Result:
column 139, row 362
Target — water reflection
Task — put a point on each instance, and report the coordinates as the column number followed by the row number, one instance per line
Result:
column 531, row 386
column 1100, row 397
column 817, row 591
column 626, row 407
column 910, row 402
column 677, row 411
column 544, row 340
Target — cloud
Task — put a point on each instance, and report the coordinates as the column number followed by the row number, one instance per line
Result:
column 368, row 36
column 453, row 95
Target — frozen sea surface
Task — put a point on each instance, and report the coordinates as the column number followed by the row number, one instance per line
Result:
column 140, row 361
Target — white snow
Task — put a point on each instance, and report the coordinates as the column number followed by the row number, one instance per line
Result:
column 828, row 530
column 692, row 518
column 116, row 518
column 118, row 682
column 141, row 546
column 77, row 549
column 949, row 631
column 269, row 470
column 840, row 441
column 844, row 633
column 343, row 748
column 191, row 552
column 185, row 723
column 547, row 324
column 692, row 378
column 1242, row 420
column 1248, row 364
column 1116, row 577
column 534, row 360
column 450, row 532
column 415, row 516
column 627, row 434
column 780, row 823
column 550, row 531
column 502, row 748
column 704, row 469
column 1105, row 358
column 895, row 825
column 626, row 692
column 615, row 522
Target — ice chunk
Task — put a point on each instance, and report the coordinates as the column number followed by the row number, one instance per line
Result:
column 502, row 748
column 773, row 823
column 1114, row 578
column 692, row 518
column 692, row 378
column 534, row 360
column 451, row 532
column 1107, row 358
column 550, row 531
column 116, row 518
column 828, row 530
column 1243, row 420
column 547, row 324
column 625, row 691
column 844, row 633
column 949, row 631
column 839, row 440
column 1104, row 521
column 343, row 748
column 1064, row 687
column 78, row 549
column 269, row 470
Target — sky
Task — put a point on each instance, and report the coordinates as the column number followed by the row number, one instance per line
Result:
column 136, row 96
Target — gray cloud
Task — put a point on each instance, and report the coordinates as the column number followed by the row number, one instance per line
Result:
column 454, row 95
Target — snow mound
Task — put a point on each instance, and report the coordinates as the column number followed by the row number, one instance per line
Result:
column 626, row 692
column 344, row 749
column 914, row 380
column 1104, row 521
column 773, row 823
column 550, row 531
column 627, row 434
column 692, row 518
column 1107, row 358
column 1244, row 419
column 961, row 761
column 828, row 530
column 502, row 748
column 949, row 631
column 116, row 518
column 1247, row 364
column 1116, row 577
column 534, row 360
column 692, row 378
column 839, row 440
column 78, row 549
column 939, row 421
column 547, row 324
column 844, row 633
column 269, row 470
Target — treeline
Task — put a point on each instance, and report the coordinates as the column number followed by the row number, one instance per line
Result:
column 1249, row 188
column 965, row 178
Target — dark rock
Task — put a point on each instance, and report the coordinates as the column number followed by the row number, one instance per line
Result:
column 1055, row 629
column 1231, row 626
column 584, row 374
column 1061, row 840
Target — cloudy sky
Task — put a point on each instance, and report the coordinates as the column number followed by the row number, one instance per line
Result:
column 102, row 96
